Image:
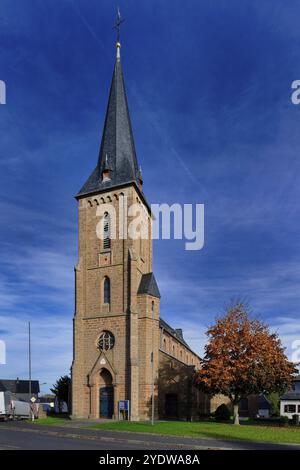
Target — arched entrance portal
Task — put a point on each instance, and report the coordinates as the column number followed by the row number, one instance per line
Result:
column 106, row 395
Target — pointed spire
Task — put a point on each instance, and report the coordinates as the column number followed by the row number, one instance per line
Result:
column 117, row 150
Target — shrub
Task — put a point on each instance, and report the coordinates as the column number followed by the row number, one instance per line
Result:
column 295, row 420
column 222, row 413
column 284, row 421
column 274, row 400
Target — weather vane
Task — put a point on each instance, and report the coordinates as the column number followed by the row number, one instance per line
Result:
column 119, row 21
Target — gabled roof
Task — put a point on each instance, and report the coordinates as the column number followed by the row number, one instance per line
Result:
column 117, row 151
column 176, row 333
column 291, row 396
column 263, row 402
column 19, row 386
column 148, row 285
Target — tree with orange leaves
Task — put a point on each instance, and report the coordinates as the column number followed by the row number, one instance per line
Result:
column 242, row 357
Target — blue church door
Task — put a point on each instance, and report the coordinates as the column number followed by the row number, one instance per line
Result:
column 106, row 396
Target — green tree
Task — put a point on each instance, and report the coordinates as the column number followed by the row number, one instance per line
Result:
column 274, row 400
column 61, row 388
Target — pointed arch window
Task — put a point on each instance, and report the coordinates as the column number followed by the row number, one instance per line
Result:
column 106, row 290
column 106, row 231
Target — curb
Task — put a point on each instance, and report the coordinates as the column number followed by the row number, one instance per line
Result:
column 113, row 439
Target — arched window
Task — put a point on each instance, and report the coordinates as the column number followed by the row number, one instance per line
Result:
column 164, row 344
column 106, row 341
column 106, row 290
column 106, row 231
column 152, row 309
column 142, row 241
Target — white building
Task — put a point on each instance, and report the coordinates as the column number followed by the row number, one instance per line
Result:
column 290, row 401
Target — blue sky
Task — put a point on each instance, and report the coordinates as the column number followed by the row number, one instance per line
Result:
column 209, row 86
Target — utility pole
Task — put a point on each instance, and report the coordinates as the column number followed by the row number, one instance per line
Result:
column 152, row 394
column 152, row 370
column 29, row 368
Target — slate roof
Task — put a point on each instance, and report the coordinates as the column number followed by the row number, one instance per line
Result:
column 19, row 386
column 176, row 333
column 263, row 403
column 291, row 396
column 148, row 285
column 117, row 150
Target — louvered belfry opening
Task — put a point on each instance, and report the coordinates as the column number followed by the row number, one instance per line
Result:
column 106, row 232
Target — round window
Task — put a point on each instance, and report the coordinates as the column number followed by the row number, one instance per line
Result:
column 106, row 341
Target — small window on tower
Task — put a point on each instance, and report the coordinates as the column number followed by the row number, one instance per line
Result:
column 106, row 291
column 142, row 241
column 152, row 309
column 106, row 231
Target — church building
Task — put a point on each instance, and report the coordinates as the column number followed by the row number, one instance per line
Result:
column 123, row 349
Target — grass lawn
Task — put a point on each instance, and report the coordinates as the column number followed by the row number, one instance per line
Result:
column 214, row 430
column 50, row 420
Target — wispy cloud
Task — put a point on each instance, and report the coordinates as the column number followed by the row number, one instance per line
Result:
column 51, row 347
column 272, row 293
column 230, row 143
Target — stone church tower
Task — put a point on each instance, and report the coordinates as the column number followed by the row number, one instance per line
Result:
column 116, row 323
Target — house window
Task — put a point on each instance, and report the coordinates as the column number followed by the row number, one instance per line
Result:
column 290, row 408
column 106, row 231
column 298, row 408
column 106, row 290
column 106, row 341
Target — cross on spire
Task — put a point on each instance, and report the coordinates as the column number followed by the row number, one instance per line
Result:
column 119, row 21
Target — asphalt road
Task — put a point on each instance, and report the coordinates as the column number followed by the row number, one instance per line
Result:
column 15, row 436
column 18, row 440
column 24, row 436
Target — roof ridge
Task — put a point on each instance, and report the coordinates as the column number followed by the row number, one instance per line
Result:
column 172, row 331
